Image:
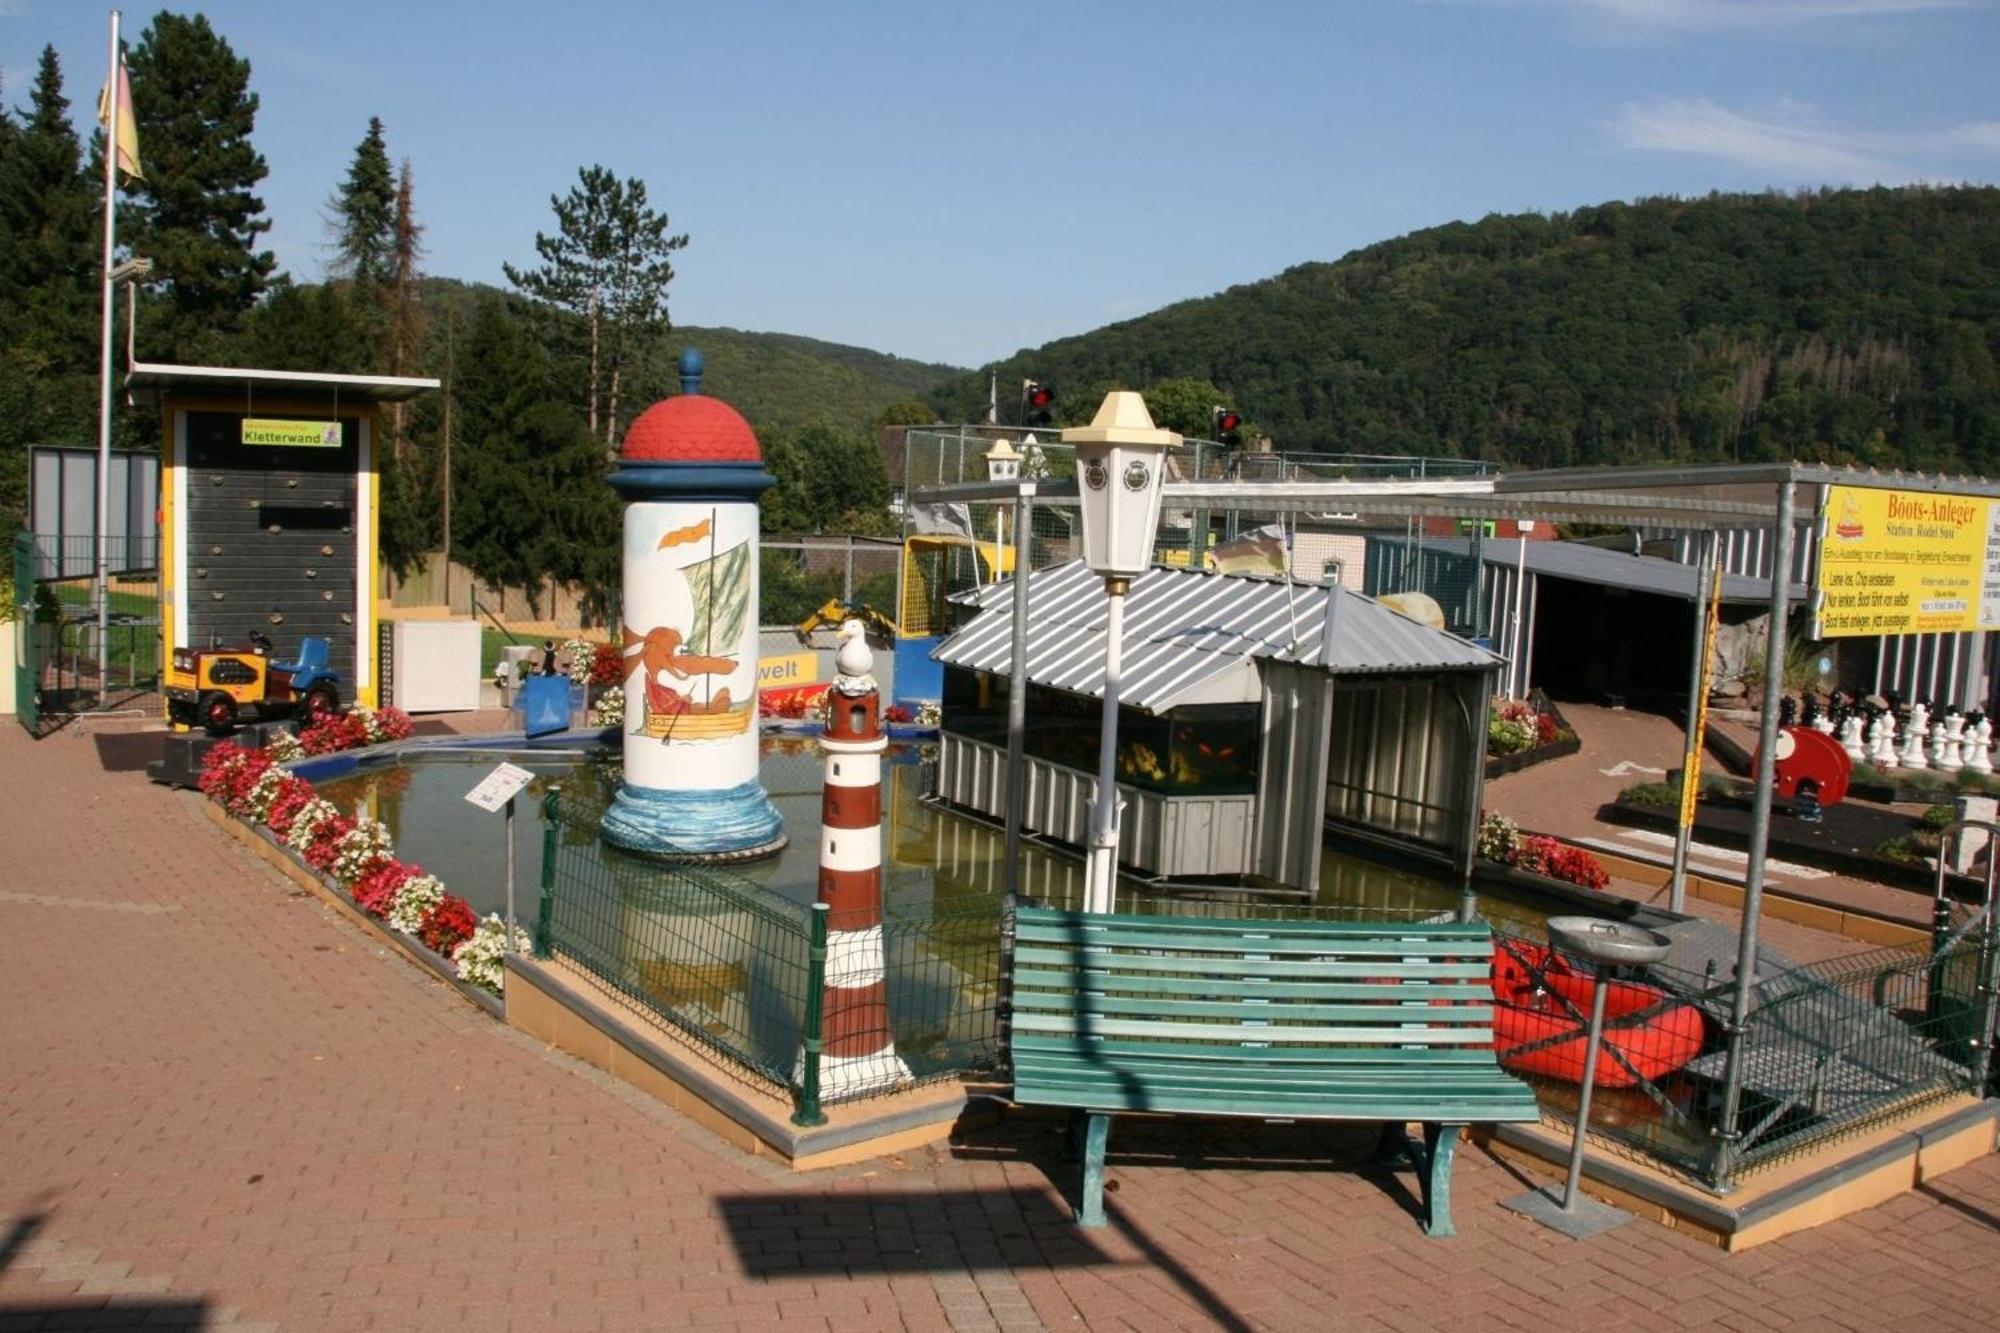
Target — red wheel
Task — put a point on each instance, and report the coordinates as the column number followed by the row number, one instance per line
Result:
column 321, row 703
column 218, row 714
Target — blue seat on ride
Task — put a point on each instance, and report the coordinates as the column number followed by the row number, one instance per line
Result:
column 311, row 660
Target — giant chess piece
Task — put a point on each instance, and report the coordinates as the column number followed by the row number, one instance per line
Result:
column 1935, row 749
column 1951, row 756
column 1850, row 739
column 1882, row 741
column 1915, row 732
column 1978, row 754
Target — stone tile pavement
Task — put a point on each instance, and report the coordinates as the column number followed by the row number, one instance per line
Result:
column 221, row 1106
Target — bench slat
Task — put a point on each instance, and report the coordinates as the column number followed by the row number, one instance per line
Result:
column 1248, row 1010
column 1465, row 1079
column 1286, row 945
column 1031, row 1046
column 1044, row 919
column 1306, row 968
column 1416, row 1035
column 1390, row 989
column 1517, row 1105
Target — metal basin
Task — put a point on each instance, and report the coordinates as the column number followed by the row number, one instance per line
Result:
column 1612, row 942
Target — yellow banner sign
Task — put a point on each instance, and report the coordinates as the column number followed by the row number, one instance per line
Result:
column 1907, row 562
column 292, row 434
column 790, row 669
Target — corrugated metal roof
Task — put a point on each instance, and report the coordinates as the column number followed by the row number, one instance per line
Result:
column 1194, row 637
column 1620, row 569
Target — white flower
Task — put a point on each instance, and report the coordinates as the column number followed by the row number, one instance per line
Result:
column 578, row 655
column 419, row 894
column 311, row 815
column 258, row 802
column 479, row 958
column 363, row 845
column 284, row 748
column 610, row 709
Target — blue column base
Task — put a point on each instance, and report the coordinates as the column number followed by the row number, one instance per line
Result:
column 737, row 823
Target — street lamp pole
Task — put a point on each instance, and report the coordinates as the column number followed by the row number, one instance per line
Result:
column 1120, row 460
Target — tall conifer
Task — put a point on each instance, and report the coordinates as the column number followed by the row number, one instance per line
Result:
column 362, row 215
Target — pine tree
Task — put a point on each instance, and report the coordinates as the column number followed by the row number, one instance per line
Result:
column 362, row 216
column 196, row 214
column 47, row 265
column 609, row 262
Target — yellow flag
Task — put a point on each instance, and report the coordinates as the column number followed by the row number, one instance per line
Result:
column 128, row 123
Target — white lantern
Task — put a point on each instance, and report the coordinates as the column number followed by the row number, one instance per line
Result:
column 1120, row 467
column 1003, row 463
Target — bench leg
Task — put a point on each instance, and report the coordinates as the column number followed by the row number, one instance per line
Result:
column 1440, row 1141
column 1393, row 1148
column 1096, row 1132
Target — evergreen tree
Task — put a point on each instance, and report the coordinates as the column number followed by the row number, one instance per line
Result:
column 609, row 261
column 362, row 216
column 196, row 214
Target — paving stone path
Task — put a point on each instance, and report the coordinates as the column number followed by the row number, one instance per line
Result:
column 221, row 1106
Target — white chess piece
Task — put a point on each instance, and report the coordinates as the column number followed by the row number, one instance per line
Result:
column 1823, row 724
column 1914, row 736
column 1850, row 738
column 1951, row 751
column 1882, row 741
column 1979, row 756
column 1936, row 750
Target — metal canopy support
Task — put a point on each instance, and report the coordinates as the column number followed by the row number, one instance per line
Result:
column 1697, row 673
column 1760, row 828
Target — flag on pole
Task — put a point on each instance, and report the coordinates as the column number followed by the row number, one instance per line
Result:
column 128, row 123
column 1259, row 551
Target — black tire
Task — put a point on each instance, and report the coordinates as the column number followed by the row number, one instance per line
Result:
column 322, row 701
column 218, row 714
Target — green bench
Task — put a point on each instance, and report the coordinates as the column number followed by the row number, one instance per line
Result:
column 1273, row 1020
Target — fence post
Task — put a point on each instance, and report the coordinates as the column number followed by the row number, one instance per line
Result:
column 808, row 1112
column 551, row 840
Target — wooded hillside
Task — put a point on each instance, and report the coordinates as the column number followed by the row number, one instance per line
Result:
column 1846, row 325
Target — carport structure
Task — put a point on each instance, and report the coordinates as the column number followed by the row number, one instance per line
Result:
column 1707, row 500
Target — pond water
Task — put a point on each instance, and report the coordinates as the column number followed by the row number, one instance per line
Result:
column 928, row 853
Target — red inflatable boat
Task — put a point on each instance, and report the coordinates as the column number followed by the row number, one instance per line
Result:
column 1528, row 1018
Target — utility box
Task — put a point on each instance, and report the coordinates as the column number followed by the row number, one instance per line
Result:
column 437, row 665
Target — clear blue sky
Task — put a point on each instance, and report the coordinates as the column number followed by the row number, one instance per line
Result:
column 953, row 181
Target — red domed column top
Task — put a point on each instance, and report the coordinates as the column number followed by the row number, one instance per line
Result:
column 691, row 446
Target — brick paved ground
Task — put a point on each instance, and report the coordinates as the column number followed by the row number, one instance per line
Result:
column 220, row 1103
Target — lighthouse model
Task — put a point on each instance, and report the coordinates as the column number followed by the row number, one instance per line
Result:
column 859, row 1051
column 690, row 472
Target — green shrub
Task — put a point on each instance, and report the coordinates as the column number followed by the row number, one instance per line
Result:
column 1938, row 816
column 1664, row 794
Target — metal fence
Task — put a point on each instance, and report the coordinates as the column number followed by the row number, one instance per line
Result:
column 1827, row 1049
column 58, row 639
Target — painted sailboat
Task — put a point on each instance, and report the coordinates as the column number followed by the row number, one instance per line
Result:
column 719, row 587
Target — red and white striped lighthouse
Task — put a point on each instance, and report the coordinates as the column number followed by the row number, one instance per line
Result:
column 859, row 1054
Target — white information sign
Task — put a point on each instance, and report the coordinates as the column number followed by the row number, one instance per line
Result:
column 500, row 786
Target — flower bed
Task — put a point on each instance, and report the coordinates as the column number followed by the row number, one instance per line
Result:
column 1521, row 733
column 1501, row 840
column 355, row 852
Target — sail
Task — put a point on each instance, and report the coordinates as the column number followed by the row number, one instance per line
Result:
column 721, row 588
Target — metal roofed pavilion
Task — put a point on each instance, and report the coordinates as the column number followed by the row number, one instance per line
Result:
column 1193, row 638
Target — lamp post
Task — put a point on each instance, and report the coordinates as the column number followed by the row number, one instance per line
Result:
column 1003, row 463
column 1119, row 467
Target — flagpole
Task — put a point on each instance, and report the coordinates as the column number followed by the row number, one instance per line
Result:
column 103, row 587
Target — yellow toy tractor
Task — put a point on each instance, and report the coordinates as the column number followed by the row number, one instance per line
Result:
column 217, row 686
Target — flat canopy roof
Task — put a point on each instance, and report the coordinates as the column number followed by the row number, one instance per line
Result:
column 1583, row 563
column 1698, row 498
column 147, row 381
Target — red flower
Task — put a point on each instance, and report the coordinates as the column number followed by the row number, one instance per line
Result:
column 393, row 723
column 448, row 925
column 607, row 665
column 1545, row 729
column 216, row 767
column 293, row 793
column 375, row 892
column 898, row 713
column 326, row 836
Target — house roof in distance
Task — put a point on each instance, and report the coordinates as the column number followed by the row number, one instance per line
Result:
column 148, row 380
column 1195, row 638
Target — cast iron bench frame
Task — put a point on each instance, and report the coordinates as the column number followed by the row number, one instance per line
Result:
column 1272, row 1020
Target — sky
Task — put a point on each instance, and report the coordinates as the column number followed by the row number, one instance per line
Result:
column 953, row 181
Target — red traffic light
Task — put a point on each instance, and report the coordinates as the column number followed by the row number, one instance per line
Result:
column 1227, row 422
column 1041, row 395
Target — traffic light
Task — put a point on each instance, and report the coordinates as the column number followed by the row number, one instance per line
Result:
column 1224, row 424
column 1038, row 397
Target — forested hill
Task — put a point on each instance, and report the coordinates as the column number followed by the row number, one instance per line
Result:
column 773, row 379
column 1842, row 325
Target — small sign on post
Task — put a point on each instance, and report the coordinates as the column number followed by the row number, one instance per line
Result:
column 496, row 791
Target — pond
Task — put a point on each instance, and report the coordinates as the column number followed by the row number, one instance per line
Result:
column 928, row 852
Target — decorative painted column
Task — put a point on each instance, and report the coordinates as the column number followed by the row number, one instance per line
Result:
column 859, row 1054
column 690, row 472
